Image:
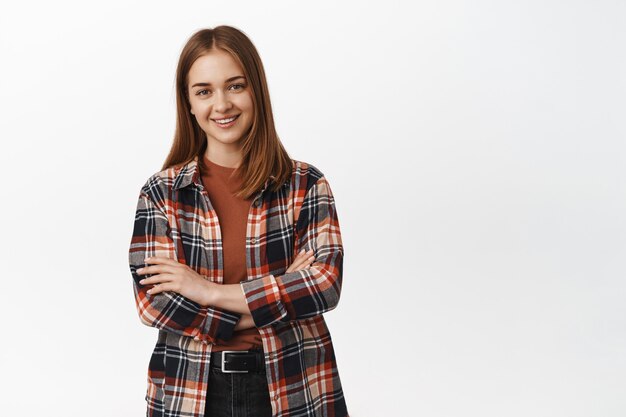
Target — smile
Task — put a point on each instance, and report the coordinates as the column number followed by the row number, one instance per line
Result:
column 226, row 122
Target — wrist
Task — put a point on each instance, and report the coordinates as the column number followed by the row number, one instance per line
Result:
column 210, row 293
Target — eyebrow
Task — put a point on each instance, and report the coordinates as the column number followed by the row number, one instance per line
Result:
column 208, row 84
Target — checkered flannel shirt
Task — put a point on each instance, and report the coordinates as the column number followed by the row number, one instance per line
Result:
column 175, row 219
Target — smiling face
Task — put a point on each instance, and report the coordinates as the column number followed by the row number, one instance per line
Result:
column 218, row 91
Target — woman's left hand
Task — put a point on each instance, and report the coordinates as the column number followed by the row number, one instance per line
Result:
column 174, row 276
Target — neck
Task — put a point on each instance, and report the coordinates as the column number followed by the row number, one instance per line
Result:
column 225, row 158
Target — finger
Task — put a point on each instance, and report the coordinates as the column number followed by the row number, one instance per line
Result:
column 300, row 257
column 162, row 287
column 300, row 264
column 155, row 269
column 303, row 256
column 157, row 279
column 157, row 288
column 307, row 259
column 294, row 266
column 304, row 253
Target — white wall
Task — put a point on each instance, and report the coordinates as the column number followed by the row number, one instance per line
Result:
column 475, row 149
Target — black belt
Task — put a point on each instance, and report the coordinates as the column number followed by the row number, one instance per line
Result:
column 229, row 361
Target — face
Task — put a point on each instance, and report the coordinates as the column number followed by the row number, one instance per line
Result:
column 217, row 91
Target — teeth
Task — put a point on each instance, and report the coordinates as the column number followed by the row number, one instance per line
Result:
column 223, row 121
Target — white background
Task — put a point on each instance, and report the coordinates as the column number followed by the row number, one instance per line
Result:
column 476, row 150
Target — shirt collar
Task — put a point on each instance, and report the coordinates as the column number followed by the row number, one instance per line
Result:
column 190, row 174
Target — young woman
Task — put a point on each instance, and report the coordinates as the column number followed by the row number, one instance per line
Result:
column 236, row 252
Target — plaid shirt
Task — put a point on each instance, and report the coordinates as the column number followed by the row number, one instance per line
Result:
column 175, row 219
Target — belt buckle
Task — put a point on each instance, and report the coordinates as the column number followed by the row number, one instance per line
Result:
column 229, row 371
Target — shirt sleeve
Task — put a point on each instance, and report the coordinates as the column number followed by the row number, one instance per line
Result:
column 306, row 292
column 169, row 310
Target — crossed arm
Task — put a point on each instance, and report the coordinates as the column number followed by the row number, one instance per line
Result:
column 174, row 276
column 186, row 303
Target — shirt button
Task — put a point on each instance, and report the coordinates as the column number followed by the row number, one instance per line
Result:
column 253, row 240
column 276, row 396
column 257, row 203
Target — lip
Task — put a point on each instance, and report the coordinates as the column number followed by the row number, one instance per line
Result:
column 227, row 117
column 227, row 125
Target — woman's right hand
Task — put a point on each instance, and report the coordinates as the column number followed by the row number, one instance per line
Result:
column 303, row 261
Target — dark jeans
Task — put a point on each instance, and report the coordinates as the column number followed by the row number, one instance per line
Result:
column 238, row 395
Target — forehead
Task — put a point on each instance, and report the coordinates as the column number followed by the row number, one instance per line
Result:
column 214, row 67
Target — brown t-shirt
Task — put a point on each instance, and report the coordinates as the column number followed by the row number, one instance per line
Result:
column 232, row 213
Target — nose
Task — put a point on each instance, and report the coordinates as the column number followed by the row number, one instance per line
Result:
column 222, row 103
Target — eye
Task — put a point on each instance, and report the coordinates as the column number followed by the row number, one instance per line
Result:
column 239, row 85
column 200, row 91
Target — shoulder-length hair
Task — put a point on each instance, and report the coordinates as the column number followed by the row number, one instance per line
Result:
column 263, row 155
